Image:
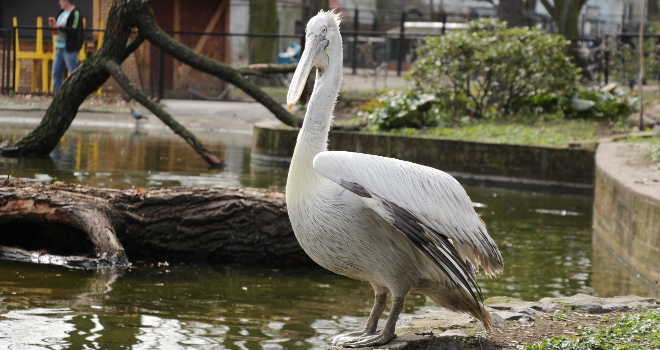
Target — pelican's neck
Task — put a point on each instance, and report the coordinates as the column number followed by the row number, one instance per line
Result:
column 313, row 136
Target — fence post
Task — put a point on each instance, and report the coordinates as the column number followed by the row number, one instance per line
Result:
column 356, row 24
column 607, row 59
column 14, row 85
column 4, row 60
column 444, row 22
column 401, row 37
column 161, row 73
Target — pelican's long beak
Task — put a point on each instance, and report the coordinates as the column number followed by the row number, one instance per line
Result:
column 313, row 48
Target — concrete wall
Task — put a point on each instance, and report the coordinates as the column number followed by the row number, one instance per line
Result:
column 522, row 166
column 627, row 207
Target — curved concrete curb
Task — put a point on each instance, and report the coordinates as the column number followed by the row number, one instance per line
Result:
column 627, row 207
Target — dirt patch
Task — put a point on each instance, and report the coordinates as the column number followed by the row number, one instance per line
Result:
column 515, row 334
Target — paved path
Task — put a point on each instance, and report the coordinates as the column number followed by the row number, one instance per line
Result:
column 204, row 118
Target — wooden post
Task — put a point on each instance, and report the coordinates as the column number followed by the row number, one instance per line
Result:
column 17, row 61
column 356, row 25
column 641, row 67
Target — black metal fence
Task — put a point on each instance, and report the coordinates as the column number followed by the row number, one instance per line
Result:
column 613, row 57
column 8, row 61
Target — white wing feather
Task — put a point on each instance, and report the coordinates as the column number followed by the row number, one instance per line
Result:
column 433, row 196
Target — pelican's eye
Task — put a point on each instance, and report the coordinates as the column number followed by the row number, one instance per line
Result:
column 324, row 31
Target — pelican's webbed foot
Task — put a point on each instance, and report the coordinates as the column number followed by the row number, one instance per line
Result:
column 340, row 339
column 371, row 339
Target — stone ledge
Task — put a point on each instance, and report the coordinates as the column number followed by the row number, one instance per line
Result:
column 443, row 329
column 564, row 169
column 627, row 207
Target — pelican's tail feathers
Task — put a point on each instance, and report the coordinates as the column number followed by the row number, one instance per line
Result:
column 455, row 299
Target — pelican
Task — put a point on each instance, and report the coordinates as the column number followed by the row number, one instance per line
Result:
column 400, row 226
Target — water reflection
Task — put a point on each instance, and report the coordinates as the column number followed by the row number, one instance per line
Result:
column 123, row 159
column 179, row 307
column 545, row 240
column 612, row 276
column 545, row 253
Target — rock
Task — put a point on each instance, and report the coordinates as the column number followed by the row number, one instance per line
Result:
column 403, row 341
column 509, row 316
column 440, row 320
column 547, row 308
column 454, row 333
column 577, row 299
column 498, row 321
column 633, row 120
column 588, row 309
column 526, row 319
column 526, row 311
column 628, row 299
column 506, row 303
column 613, row 307
column 453, row 339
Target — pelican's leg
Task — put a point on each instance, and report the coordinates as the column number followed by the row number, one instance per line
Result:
column 372, row 322
column 388, row 332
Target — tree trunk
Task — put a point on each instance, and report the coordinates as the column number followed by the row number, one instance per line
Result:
column 85, row 225
column 566, row 15
column 511, row 11
column 93, row 72
column 653, row 10
column 263, row 20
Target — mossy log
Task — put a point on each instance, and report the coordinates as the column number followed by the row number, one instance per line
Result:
column 81, row 226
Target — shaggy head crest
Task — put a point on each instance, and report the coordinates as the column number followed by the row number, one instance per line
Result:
column 332, row 15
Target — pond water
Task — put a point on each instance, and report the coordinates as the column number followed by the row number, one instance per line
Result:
column 545, row 239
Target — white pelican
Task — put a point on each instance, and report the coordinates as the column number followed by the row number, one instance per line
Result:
column 400, row 226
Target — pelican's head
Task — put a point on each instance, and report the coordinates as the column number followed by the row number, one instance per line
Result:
column 322, row 40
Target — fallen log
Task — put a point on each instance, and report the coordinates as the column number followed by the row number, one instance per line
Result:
column 94, row 227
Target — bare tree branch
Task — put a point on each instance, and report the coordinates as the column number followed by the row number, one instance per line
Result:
column 133, row 45
column 152, row 32
column 115, row 70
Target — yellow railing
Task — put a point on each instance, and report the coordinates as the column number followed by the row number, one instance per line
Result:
column 45, row 57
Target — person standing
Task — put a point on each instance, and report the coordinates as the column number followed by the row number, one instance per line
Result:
column 68, row 41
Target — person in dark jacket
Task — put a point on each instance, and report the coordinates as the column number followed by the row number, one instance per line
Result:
column 68, row 41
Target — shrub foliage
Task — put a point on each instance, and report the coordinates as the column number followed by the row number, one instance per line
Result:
column 491, row 70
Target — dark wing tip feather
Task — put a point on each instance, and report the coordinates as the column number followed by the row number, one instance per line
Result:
column 439, row 249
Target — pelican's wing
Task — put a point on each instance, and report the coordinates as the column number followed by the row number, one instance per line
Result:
column 427, row 205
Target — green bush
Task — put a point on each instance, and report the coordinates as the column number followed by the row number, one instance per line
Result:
column 490, row 70
column 606, row 106
column 399, row 109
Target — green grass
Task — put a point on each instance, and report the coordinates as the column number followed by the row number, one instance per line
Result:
column 549, row 133
column 640, row 331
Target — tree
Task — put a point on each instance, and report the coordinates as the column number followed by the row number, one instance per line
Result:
column 517, row 13
column 95, row 70
column 653, row 10
column 263, row 20
column 512, row 12
column 566, row 15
